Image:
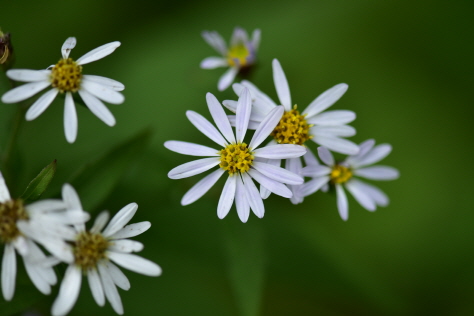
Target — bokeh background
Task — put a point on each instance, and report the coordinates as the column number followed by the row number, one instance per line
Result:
column 409, row 68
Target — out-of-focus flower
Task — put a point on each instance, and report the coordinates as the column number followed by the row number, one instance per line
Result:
column 6, row 50
column 66, row 77
column 239, row 57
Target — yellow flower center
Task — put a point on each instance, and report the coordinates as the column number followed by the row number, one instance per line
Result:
column 11, row 211
column 66, row 75
column 90, row 249
column 292, row 128
column 237, row 55
column 340, row 174
column 236, row 158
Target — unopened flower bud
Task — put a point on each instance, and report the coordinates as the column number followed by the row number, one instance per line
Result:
column 6, row 51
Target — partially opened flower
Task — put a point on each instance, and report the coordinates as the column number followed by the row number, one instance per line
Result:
column 243, row 162
column 240, row 56
column 295, row 127
column 342, row 175
column 96, row 250
column 66, row 77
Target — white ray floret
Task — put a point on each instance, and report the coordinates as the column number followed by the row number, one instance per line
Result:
column 66, row 78
column 242, row 54
column 244, row 163
column 341, row 175
column 95, row 253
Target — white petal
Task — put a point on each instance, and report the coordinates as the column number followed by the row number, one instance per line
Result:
column 244, row 106
column 205, row 127
column 231, row 104
column 46, row 206
column 215, row 41
column 131, row 230
column 98, row 53
column 253, row 125
column 325, row 100
column 214, row 62
column 27, row 75
column 34, row 272
column 361, row 195
column 239, row 36
column 200, row 188
column 8, row 272
column 332, row 131
column 264, row 193
column 227, row 78
column 97, row 107
column 21, row 245
column 337, row 144
column 24, row 92
column 262, row 102
column 100, row 222
column 70, row 119
column 332, row 118
column 326, row 156
column 342, row 205
column 111, row 83
column 68, row 45
column 281, row 85
column 227, row 197
column 266, row 126
column 4, row 193
column 193, row 168
column 118, row 276
column 312, row 186
column 310, row 159
column 241, row 202
column 96, row 286
column 256, row 35
column 41, row 104
column 110, row 290
column 253, row 196
column 375, row 155
column 68, row 292
column 120, row 219
column 191, row 149
column 70, row 197
column 271, row 185
column 103, row 92
column 126, row 246
column 219, row 117
column 294, row 165
column 277, row 173
column 135, row 263
column 315, row 171
column 379, row 197
column 378, row 173
column 364, row 148
column 284, row 151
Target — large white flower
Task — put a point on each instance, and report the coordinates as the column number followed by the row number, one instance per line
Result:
column 240, row 56
column 295, row 127
column 94, row 251
column 66, row 78
column 20, row 226
column 341, row 175
column 242, row 162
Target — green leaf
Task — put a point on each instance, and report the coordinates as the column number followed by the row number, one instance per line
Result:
column 39, row 184
column 96, row 179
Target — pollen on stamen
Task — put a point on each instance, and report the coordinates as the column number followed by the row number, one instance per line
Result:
column 292, row 128
column 11, row 211
column 236, row 158
column 66, row 75
column 340, row 174
column 89, row 249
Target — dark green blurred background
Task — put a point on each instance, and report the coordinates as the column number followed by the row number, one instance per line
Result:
column 410, row 73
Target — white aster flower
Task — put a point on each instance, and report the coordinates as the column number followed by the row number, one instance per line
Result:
column 66, row 77
column 242, row 162
column 20, row 225
column 94, row 252
column 240, row 56
column 341, row 175
column 324, row 128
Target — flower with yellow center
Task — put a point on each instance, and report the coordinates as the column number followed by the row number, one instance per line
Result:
column 239, row 57
column 244, row 162
column 66, row 77
column 96, row 250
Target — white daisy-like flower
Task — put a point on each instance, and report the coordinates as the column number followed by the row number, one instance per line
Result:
column 242, row 162
column 66, row 77
column 240, row 56
column 96, row 250
column 20, row 227
column 295, row 127
column 341, row 175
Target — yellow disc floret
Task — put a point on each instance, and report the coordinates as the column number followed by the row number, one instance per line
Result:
column 292, row 128
column 236, row 158
column 90, row 249
column 11, row 211
column 66, row 75
column 340, row 174
column 238, row 55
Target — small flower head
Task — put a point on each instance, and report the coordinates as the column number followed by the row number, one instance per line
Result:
column 89, row 248
column 236, row 158
column 66, row 75
column 11, row 211
column 6, row 50
column 292, row 128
